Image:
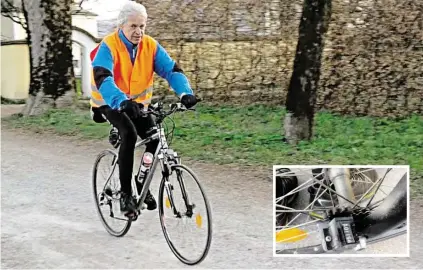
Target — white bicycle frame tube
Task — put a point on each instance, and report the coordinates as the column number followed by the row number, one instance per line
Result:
column 162, row 146
column 341, row 179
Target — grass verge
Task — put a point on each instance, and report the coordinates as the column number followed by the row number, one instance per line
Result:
column 251, row 136
column 8, row 101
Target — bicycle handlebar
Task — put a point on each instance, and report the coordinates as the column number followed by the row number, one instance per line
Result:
column 156, row 109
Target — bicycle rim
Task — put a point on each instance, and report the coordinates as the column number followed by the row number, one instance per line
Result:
column 99, row 191
column 197, row 220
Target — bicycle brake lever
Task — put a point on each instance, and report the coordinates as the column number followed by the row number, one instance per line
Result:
column 178, row 106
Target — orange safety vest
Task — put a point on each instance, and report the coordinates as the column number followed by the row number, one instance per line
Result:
column 136, row 81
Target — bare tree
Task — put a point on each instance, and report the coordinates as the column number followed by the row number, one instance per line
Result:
column 48, row 24
column 301, row 97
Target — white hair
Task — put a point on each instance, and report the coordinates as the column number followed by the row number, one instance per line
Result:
column 130, row 8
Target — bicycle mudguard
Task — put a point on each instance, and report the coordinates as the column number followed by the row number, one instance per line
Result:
column 391, row 213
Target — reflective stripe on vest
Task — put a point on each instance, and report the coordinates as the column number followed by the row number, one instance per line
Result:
column 143, row 94
column 138, row 98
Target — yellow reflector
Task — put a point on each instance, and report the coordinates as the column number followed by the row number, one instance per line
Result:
column 167, row 203
column 198, row 220
column 314, row 214
column 369, row 195
column 290, row 235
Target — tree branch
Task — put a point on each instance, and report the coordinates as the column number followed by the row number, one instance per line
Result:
column 12, row 12
column 79, row 3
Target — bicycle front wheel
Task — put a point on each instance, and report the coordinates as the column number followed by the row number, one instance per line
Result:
column 185, row 215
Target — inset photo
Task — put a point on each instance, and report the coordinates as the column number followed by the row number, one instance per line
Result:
column 338, row 211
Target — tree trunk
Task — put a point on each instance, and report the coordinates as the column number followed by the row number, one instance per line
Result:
column 50, row 44
column 301, row 97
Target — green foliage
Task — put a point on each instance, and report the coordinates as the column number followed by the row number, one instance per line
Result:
column 251, row 136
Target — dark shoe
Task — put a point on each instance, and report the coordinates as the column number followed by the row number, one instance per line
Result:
column 127, row 203
column 149, row 198
column 150, row 201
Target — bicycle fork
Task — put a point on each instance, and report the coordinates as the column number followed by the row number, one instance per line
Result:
column 170, row 202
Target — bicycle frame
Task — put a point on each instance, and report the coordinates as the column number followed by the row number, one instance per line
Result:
column 162, row 154
column 158, row 156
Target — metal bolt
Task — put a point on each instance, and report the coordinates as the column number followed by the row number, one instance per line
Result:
column 328, row 238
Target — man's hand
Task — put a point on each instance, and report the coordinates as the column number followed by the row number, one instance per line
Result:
column 188, row 101
column 131, row 108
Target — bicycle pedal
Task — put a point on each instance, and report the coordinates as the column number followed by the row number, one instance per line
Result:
column 108, row 191
column 132, row 216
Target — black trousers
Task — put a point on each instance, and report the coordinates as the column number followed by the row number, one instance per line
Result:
column 128, row 131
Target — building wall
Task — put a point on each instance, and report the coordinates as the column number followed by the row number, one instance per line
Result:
column 19, row 31
column 14, row 71
column 76, row 51
column 87, row 23
column 6, row 29
column 14, row 31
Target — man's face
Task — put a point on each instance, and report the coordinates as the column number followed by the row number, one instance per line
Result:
column 134, row 28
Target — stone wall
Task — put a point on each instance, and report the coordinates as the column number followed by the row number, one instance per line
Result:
column 242, row 52
column 375, row 65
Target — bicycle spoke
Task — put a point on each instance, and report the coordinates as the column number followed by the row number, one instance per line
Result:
column 358, row 181
column 297, row 189
column 312, row 203
column 299, row 211
column 299, row 225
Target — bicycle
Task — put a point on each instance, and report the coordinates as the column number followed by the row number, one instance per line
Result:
column 348, row 209
column 171, row 168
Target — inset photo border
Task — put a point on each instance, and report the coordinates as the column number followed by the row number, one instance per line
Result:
column 341, row 211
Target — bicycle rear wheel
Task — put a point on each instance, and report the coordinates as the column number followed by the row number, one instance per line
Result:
column 183, row 207
column 106, row 194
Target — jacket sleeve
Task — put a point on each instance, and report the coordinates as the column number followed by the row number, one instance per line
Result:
column 103, row 77
column 167, row 68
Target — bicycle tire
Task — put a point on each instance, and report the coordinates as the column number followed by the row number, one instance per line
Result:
column 209, row 218
column 94, row 178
